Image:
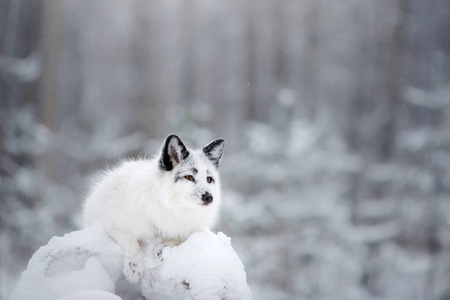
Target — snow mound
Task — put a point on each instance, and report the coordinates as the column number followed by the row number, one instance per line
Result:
column 87, row 264
column 203, row 267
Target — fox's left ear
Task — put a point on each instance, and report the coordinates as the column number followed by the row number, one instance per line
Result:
column 214, row 151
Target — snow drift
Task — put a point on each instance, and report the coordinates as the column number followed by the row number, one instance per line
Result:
column 87, row 264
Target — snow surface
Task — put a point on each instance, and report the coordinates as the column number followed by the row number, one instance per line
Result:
column 87, row 264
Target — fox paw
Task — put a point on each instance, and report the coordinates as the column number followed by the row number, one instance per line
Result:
column 133, row 268
column 158, row 251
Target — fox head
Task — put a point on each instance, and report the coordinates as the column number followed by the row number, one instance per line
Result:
column 193, row 174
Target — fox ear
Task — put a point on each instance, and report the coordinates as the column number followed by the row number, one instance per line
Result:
column 173, row 153
column 214, row 151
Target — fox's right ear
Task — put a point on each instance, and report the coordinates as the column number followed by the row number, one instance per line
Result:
column 173, row 153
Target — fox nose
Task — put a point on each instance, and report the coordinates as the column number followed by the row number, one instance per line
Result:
column 207, row 198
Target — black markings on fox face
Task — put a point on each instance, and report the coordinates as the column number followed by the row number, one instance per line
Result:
column 186, row 170
column 178, row 177
column 190, row 176
column 173, row 153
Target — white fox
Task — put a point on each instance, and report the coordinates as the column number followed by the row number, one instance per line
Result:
column 169, row 196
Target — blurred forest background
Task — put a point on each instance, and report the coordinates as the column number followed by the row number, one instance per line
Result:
column 336, row 115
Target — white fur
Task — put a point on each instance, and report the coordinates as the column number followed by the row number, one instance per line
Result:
column 139, row 201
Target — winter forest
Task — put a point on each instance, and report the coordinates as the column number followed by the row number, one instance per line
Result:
column 336, row 114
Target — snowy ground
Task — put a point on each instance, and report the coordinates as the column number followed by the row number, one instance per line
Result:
column 87, row 264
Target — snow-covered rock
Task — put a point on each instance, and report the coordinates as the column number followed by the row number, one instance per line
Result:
column 87, row 264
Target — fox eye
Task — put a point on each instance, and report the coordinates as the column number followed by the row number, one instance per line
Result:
column 209, row 179
column 189, row 177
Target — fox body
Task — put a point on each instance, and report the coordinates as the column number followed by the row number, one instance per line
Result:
column 170, row 196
